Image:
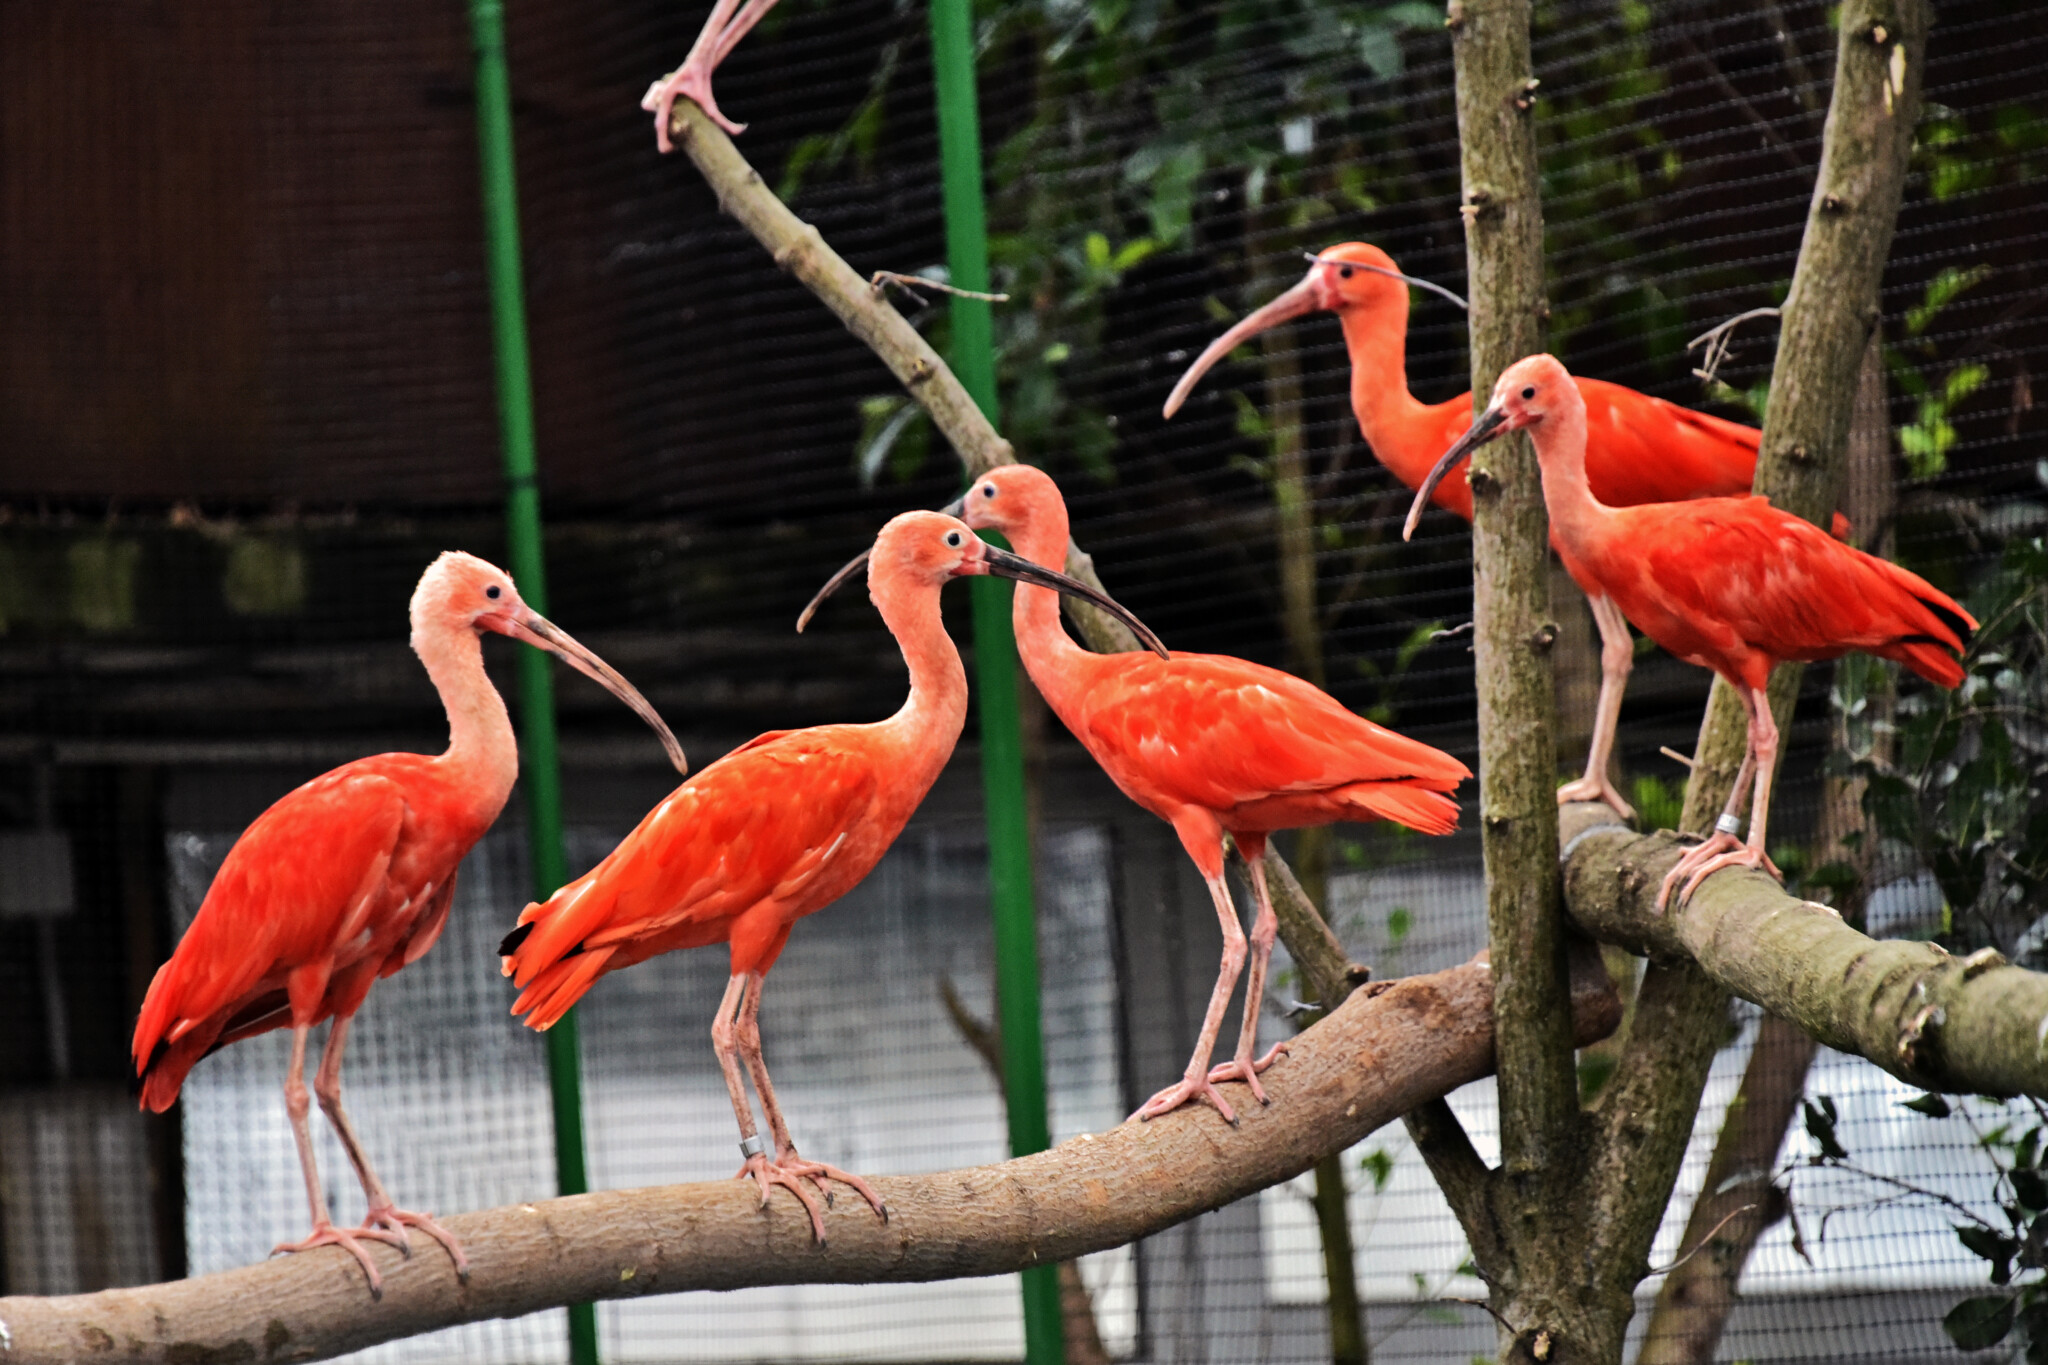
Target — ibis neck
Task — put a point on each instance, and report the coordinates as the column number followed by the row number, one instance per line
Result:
column 482, row 752
column 930, row 720
column 1377, row 339
column 1048, row 652
column 1576, row 516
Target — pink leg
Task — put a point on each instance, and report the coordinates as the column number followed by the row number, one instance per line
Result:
column 385, row 1219
column 1763, row 753
column 721, row 33
column 1195, row 1084
column 296, row 1106
column 1264, row 929
column 786, row 1159
column 1763, row 733
column 1617, row 658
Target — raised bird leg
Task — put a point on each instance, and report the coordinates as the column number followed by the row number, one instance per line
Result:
column 1265, row 927
column 1763, row 755
column 786, row 1159
column 1723, row 841
column 721, row 32
column 385, row 1220
column 324, row 1232
column 1617, row 658
column 1195, row 1083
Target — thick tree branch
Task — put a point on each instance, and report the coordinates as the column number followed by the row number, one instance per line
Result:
column 801, row 249
column 1969, row 1025
column 1380, row 1054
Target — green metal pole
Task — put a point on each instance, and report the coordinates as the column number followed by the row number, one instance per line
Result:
column 995, row 661
column 540, row 760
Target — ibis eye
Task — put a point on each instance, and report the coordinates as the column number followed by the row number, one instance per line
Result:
column 1529, row 392
column 1345, row 272
column 493, row 592
column 988, row 490
column 953, row 539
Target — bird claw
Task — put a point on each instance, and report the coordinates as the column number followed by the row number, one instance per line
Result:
column 694, row 81
column 398, row 1220
column 794, row 1173
column 1595, row 789
column 325, row 1234
column 1187, row 1090
column 1704, row 860
column 1246, row 1070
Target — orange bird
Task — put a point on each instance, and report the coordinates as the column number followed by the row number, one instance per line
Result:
column 1639, row 449
column 1212, row 745
column 780, row 827
column 730, row 21
column 1731, row 584
column 349, row 878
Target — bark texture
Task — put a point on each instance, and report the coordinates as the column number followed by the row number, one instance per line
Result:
column 1967, row 1025
column 1380, row 1054
column 799, row 248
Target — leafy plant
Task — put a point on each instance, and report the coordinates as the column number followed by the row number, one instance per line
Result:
column 1925, row 441
column 1968, row 790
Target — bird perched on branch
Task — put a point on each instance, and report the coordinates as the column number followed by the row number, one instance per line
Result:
column 1731, row 584
column 779, row 828
column 1639, row 449
column 1212, row 745
column 349, row 878
column 730, row 21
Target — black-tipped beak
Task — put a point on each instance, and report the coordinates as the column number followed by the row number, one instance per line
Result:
column 536, row 630
column 1006, row 565
column 1302, row 299
column 832, row 585
column 1488, row 426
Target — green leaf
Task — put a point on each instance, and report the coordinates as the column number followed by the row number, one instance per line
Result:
column 1930, row 1104
column 1400, row 920
column 1993, row 1246
column 2031, row 1189
column 1378, row 1164
column 1977, row 1323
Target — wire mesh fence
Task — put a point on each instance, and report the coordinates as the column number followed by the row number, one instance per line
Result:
column 247, row 396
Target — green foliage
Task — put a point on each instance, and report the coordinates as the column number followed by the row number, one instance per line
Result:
column 1925, row 441
column 1400, row 921
column 1658, row 803
column 1968, row 788
column 1379, row 1165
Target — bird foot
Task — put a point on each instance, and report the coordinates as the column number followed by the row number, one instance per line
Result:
column 398, row 1220
column 325, row 1234
column 1188, row 1090
column 1704, row 860
column 1246, row 1070
column 691, row 79
column 1595, row 789
column 795, row 1174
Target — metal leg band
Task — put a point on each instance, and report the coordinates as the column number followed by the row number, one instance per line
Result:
column 752, row 1146
column 1728, row 824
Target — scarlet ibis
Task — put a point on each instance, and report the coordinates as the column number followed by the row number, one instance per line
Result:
column 1640, row 449
column 1212, row 745
column 721, row 33
column 349, row 878
column 780, row 827
column 1731, row 584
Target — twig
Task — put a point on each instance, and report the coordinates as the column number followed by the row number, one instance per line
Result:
column 910, row 284
column 1674, row 755
column 1493, row 1312
column 1708, row 1237
column 1741, row 102
column 1716, row 339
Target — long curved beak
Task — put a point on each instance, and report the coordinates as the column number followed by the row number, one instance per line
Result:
column 1288, row 306
column 832, row 585
column 1488, row 426
column 536, row 630
column 1003, row 564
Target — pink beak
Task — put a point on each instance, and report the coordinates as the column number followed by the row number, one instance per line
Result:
column 1309, row 296
column 529, row 626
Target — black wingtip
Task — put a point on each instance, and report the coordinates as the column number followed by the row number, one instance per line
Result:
column 1951, row 618
column 510, row 944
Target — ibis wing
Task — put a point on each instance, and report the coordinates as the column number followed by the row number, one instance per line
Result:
column 1219, row 732
column 1641, row 449
column 757, row 825
column 282, row 897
